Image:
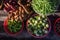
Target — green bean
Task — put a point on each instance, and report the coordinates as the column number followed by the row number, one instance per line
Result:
column 44, row 6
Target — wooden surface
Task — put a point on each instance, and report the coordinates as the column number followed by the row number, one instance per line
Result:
column 57, row 14
column 3, row 15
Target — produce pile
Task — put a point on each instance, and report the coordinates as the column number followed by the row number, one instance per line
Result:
column 44, row 6
column 14, row 26
column 38, row 25
column 23, row 7
column 21, row 10
column 14, row 22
